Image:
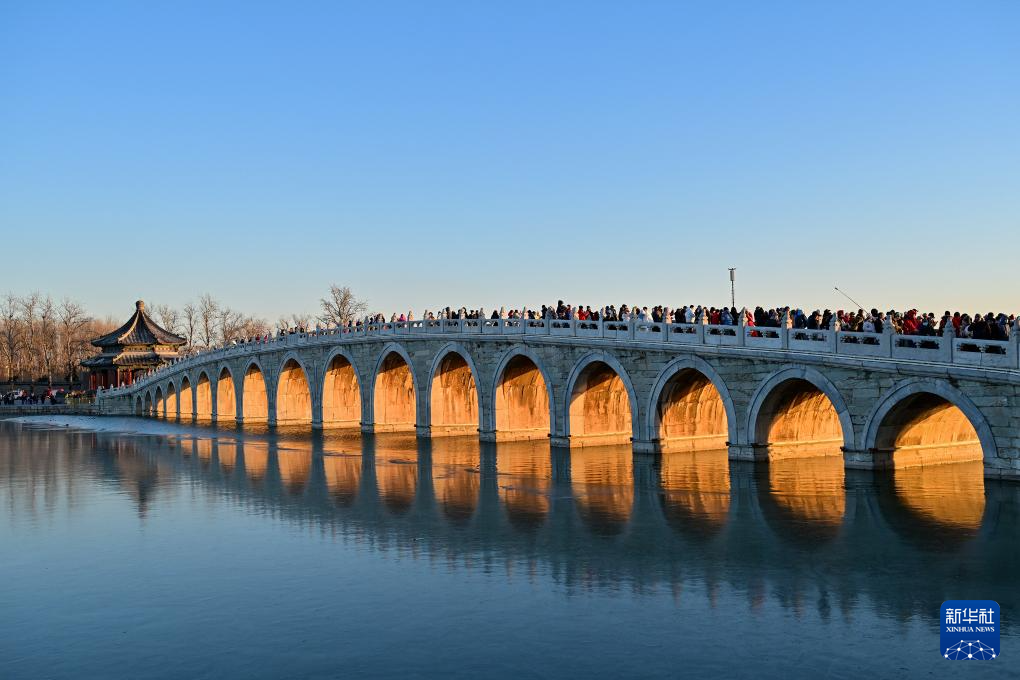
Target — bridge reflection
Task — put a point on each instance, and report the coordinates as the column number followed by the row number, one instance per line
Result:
column 593, row 517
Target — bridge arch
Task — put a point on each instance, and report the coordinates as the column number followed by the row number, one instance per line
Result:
column 600, row 405
column 203, row 396
column 186, row 403
column 523, row 406
column 159, row 402
column 690, row 407
column 342, row 403
column 394, row 392
column 148, row 408
column 800, row 411
column 452, row 400
column 293, row 391
column 138, row 406
column 254, row 393
column 923, row 421
column 226, row 395
column 172, row 405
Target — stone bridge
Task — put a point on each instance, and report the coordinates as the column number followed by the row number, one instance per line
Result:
column 881, row 400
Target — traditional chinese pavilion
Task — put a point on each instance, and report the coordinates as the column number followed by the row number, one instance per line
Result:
column 131, row 351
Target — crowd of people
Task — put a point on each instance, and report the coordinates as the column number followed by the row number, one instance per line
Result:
column 988, row 326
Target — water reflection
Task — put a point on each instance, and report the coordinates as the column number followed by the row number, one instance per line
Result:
column 937, row 507
column 695, row 492
column 343, row 477
column 396, row 470
column 602, row 482
column 804, row 498
column 456, row 476
column 524, row 472
column 896, row 536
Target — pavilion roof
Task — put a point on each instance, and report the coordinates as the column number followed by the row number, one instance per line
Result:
column 140, row 329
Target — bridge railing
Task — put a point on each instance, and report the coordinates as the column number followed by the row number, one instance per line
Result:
column 887, row 345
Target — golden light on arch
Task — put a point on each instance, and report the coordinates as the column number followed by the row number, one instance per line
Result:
column 600, row 409
column 521, row 401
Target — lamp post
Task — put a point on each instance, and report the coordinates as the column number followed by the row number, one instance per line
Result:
column 733, row 289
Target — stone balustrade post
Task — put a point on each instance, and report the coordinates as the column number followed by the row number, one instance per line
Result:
column 889, row 336
column 742, row 327
column 1015, row 342
column 785, row 324
column 834, row 326
column 701, row 320
column 946, row 344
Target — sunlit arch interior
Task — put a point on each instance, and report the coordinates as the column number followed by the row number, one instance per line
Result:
column 171, row 401
column 341, row 395
column 691, row 413
column 394, row 402
column 160, row 403
column 254, row 403
column 226, row 401
column 603, row 487
column 454, row 398
column 600, row 408
column 148, row 408
column 185, row 399
column 522, row 401
column 797, row 419
column 203, row 398
column 293, row 395
column 926, row 429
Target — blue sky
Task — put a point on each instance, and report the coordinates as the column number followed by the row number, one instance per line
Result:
column 511, row 153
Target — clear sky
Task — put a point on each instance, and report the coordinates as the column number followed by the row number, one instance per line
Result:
column 487, row 153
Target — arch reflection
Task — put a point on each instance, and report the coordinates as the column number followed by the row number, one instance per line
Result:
column 803, row 499
column 396, row 471
column 602, row 482
column 524, row 474
column 695, row 491
column 456, row 477
column 937, row 506
column 343, row 477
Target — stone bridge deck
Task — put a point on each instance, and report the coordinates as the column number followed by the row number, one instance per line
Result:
column 878, row 399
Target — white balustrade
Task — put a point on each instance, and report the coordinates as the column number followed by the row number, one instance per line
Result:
column 936, row 348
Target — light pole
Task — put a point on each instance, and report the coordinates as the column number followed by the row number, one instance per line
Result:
column 733, row 287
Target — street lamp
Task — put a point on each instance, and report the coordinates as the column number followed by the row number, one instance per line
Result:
column 733, row 289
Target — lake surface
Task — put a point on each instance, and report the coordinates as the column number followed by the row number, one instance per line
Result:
column 154, row 550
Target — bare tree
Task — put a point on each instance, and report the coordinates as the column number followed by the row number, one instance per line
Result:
column 48, row 340
column 30, row 321
column 169, row 318
column 189, row 323
column 230, row 324
column 11, row 336
column 252, row 327
column 208, row 312
column 340, row 307
column 73, row 323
